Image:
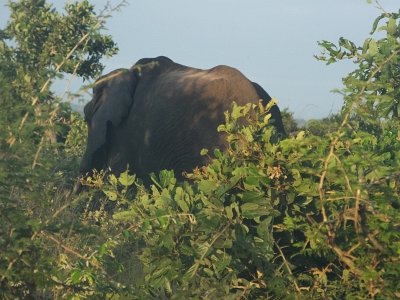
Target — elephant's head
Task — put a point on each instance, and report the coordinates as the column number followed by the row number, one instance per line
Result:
column 111, row 102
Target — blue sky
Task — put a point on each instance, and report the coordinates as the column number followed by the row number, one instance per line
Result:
column 271, row 42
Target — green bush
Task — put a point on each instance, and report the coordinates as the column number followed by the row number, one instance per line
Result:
column 269, row 220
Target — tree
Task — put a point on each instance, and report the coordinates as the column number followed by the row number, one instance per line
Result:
column 38, row 46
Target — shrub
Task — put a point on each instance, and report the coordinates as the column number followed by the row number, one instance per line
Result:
column 269, row 220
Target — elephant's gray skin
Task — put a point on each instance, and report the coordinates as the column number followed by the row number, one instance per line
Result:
column 160, row 114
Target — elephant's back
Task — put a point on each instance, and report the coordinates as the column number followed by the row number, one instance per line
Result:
column 239, row 88
column 176, row 112
column 222, row 84
column 178, row 82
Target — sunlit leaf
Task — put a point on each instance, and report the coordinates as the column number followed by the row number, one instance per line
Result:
column 111, row 195
column 373, row 48
column 125, row 179
column 391, row 26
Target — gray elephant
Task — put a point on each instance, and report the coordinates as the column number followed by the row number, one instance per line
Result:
column 160, row 114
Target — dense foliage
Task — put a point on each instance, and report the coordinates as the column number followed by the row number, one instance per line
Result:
column 38, row 46
column 316, row 215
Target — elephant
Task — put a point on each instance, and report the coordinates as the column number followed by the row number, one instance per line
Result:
column 160, row 115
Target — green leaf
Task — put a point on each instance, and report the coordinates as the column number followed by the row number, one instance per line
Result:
column 76, row 276
column 167, row 177
column 271, row 103
column 253, row 196
column 392, row 26
column 373, row 48
column 163, row 221
column 27, row 78
column 180, row 199
column 266, row 119
column 229, row 212
column 113, row 180
column 186, row 250
column 125, row 179
column 252, row 182
column 191, row 272
column 248, row 134
column 252, row 210
column 300, row 135
column 207, row 186
column 203, row 152
column 203, row 249
column 208, row 271
column 168, row 241
column 124, row 216
column 111, row 195
column 345, row 276
column 376, row 22
column 365, row 46
column 102, row 249
column 221, row 128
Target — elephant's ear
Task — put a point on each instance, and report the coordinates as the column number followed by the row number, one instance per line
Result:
column 275, row 112
column 112, row 98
